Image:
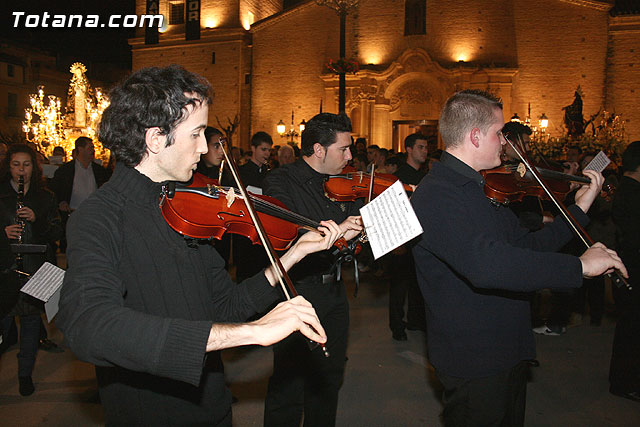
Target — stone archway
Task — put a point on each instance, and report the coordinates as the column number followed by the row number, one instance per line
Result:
column 412, row 89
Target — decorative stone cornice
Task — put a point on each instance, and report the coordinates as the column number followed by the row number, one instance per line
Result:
column 207, row 36
column 604, row 5
column 625, row 24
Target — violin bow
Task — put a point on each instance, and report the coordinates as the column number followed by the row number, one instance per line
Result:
column 283, row 278
column 573, row 223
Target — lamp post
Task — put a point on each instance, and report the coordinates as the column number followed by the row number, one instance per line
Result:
column 292, row 133
column 544, row 122
column 342, row 7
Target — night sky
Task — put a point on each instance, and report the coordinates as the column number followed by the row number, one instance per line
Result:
column 92, row 45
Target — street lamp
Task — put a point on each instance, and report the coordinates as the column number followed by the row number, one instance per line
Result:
column 291, row 134
column 544, row 122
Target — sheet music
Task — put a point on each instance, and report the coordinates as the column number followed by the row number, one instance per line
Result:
column 389, row 220
column 598, row 163
column 45, row 285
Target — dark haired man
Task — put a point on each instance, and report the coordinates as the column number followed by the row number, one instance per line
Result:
column 149, row 308
column 254, row 171
column 250, row 258
column 473, row 261
column 304, row 381
column 403, row 284
column 74, row 181
column 624, row 373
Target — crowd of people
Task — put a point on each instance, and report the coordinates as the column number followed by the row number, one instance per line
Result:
column 152, row 309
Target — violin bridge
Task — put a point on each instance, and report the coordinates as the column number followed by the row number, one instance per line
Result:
column 231, row 197
column 522, row 170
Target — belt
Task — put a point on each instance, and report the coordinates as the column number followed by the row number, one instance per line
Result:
column 328, row 279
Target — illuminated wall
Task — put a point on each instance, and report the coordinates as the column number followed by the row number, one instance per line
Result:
column 533, row 53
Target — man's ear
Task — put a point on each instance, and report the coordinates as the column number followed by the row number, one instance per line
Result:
column 318, row 150
column 154, row 139
column 474, row 137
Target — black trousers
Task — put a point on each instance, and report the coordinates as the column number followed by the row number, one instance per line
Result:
column 624, row 371
column 498, row 400
column 305, row 380
column 404, row 286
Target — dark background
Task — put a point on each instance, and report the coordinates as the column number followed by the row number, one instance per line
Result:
column 92, row 46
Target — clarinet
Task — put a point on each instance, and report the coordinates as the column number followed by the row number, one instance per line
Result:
column 20, row 205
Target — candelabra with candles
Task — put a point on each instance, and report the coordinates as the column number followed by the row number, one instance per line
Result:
column 47, row 127
column 44, row 124
column 291, row 133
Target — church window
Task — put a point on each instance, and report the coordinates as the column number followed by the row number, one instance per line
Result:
column 415, row 17
column 12, row 104
column 176, row 12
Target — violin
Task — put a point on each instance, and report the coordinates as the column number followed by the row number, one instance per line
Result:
column 349, row 186
column 511, row 182
column 202, row 210
column 580, row 232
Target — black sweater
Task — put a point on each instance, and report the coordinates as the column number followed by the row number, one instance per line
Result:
column 473, row 263
column 138, row 302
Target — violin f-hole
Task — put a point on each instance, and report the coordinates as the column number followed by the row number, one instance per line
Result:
column 240, row 215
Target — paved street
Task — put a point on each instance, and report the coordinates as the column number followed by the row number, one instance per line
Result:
column 387, row 383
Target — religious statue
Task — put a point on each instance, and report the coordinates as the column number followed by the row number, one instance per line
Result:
column 573, row 119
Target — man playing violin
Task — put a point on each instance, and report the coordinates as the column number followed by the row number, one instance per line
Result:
column 149, row 308
column 306, row 381
column 474, row 262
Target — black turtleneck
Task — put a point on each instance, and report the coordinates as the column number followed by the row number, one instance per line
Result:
column 138, row 302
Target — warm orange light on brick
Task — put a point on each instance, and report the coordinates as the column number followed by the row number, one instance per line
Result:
column 248, row 20
column 211, row 22
column 371, row 57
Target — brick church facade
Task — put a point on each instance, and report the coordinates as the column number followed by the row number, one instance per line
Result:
column 265, row 61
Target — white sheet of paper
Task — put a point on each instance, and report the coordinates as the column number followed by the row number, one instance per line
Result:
column 45, row 284
column 599, row 162
column 51, row 306
column 389, row 220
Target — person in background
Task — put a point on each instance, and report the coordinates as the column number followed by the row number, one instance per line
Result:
column 74, row 181
column 249, row 258
column 286, row 155
column 30, row 218
column 624, row 371
column 403, row 285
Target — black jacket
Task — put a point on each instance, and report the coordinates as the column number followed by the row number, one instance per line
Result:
column 473, row 263
column 62, row 181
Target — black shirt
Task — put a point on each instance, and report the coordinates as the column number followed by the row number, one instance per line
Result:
column 252, row 174
column 408, row 175
column 301, row 189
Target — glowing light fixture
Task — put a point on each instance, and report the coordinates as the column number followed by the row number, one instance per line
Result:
column 211, row 22
column 544, row 121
